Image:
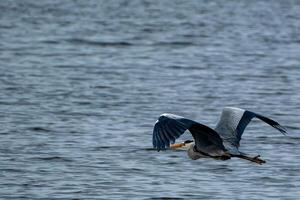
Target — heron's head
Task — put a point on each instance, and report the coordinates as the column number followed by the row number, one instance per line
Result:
column 180, row 145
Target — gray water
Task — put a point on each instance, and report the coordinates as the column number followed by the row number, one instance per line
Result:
column 83, row 82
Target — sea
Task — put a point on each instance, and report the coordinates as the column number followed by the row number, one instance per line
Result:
column 82, row 84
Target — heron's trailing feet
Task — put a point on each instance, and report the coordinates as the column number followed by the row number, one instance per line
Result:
column 255, row 159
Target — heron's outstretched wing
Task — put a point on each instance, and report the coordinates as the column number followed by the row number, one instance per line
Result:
column 169, row 127
column 233, row 122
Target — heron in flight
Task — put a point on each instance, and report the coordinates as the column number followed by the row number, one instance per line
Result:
column 220, row 143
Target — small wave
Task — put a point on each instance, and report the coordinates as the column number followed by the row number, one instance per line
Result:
column 103, row 147
column 39, row 129
column 54, row 158
column 184, row 67
column 13, row 170
column 67, row 66
column 174, row 43
column 165, row 198
column 103, row 87
column 82, row 102
column 50, row 41
column 99, row 43
column 12, row 88
column 128, row 149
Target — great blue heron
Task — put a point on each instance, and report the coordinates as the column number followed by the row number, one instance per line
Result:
column 219, row 143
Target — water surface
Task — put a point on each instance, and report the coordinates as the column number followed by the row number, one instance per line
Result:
column 83, row 82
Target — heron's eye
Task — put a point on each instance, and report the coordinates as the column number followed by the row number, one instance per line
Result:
column 188, row 141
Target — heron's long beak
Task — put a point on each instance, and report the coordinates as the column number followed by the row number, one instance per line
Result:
column 177, row 145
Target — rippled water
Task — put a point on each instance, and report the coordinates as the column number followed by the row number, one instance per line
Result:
column 82, row 83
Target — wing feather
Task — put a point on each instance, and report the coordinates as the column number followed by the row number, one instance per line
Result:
column 169, row 127
column 233, row 122
column 163, row 140
column 160, row 133
column 154, row 143
column 272, row 123
column 168, row 134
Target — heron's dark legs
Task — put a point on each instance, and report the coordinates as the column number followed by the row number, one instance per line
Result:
column 255, row 159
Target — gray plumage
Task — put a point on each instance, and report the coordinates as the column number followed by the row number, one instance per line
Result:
column 219, row 142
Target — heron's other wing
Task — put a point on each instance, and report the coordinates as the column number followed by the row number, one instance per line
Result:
column 168, row 128
column 233, row 122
